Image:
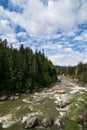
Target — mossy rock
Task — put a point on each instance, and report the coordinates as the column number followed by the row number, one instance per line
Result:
column 78, row 109
column 71, row 125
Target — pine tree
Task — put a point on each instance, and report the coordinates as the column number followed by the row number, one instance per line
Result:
column 22, row 70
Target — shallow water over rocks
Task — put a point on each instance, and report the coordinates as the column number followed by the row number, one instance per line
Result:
column 41, row 104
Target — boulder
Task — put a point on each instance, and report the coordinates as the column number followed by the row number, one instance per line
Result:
column 60, row 91
column 30, row 122
column 16, row 97
column 13, row 97
column 3, row 98
column 62, row 104
column 47, row 122
column 62, row 125
column 68, row 102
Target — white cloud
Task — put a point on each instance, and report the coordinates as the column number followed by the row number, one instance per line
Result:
column 82, row 37
column 83, row 11
column 78, row 38
column 43, row 21
column 70, row 33
column 4, row 28
column 68, row 57
column 6, row 31
column 19, row 2
column 21, row 34
column 64, row 55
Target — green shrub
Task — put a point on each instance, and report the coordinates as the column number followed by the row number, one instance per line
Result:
column 71, row 125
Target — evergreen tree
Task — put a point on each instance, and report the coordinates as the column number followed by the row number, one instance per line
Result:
column 21, row 70
column 79, row 72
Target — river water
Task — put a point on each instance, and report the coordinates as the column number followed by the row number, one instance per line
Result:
column 40, row 104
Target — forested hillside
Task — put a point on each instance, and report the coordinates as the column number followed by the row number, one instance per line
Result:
column 22, row 70
column 78, row 72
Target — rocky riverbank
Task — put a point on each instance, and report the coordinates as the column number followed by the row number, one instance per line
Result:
column 53, row 102
column 12, row 97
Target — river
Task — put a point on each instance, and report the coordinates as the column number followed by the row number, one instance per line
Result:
column 41, row 104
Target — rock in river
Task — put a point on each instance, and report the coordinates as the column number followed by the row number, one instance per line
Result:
column 3, row 98
column 30, row 122
column 47, row 122
column 13, row 97
column 60, row 91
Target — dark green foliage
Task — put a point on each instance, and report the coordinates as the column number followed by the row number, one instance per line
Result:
column 77, row 111
column 78, row 72
column 22, row 70
column 71, row 125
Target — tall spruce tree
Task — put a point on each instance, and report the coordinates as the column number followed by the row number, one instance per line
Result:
column 22, row 70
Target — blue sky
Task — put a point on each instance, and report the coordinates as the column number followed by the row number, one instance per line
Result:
column 57, row 26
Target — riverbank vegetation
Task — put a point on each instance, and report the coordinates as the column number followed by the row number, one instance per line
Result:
column 22, row 70
column 76, row 118
column 77, row 111
column 77, row 72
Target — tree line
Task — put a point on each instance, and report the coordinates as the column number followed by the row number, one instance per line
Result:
column 22, row 70
column 78, row 72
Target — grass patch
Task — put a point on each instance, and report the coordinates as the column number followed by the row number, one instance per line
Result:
column 71, row 125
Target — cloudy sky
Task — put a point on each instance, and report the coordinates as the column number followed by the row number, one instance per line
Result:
column 57, row 26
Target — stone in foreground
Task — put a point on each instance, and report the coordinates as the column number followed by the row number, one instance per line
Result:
column 47, row 122
column 3, row 98
column 30, row 122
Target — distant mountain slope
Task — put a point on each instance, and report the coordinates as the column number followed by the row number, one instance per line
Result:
column 60, row 67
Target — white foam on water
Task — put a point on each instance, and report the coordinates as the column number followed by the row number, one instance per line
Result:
column 56, row 102
column 30, row 115
column 62, row 113
column 31, row 108
column 24, row 118
column 7, row 120
column 57, row 108
column 77, row 89
column 26, row 101
column 35, row 113
column 74, row 91
column 7, row 124
column 57, row 97
column 18, row 108
column 57, row 122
